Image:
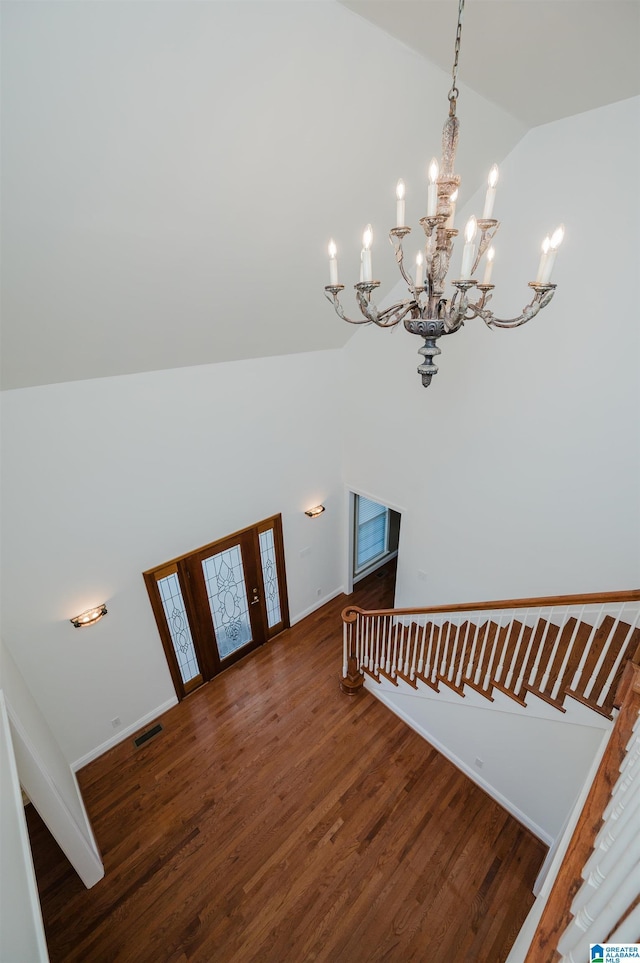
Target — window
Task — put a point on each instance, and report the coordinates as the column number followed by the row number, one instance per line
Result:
column 371, row 533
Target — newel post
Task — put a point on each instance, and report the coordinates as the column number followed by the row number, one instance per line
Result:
column 352, row 676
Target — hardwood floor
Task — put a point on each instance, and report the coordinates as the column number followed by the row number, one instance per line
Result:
column 277, row 820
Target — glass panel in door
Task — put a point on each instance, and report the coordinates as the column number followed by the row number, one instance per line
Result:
column 270, row 577
column 179, row 629
column 225, row 583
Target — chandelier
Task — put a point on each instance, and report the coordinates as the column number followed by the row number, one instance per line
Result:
column 427, row 312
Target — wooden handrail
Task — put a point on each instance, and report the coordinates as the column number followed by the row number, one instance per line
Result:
column 350, row 612
column 556, row 915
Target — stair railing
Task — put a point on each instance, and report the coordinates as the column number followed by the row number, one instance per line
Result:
column 595, row 897
column 575, row 645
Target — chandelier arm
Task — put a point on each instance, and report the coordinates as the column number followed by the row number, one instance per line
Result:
column 396, row 313
column 457, row 313
column 363, row 296
column 332, row 296
column 395, row 236
column 488, row 230
column 473, row 310
column 542, row 297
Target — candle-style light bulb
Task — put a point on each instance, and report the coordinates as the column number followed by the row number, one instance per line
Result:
column 432, row 193
column 333, row 262
column 550, row 257
column 546, row 244
column 419, row 269
column 367, row 241
column 469, row 250
column 488, row 267
column 400, row 192
column 491, row 192
column 470, row 229
column 557, row 238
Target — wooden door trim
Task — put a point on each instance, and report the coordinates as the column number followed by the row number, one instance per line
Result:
column 275, row 524
column 179, row 558
column 197, row 603
column 151, row 581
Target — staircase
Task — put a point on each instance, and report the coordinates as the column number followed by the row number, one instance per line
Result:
column 553, row 647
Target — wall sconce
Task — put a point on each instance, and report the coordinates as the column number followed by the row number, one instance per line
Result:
column 314, row 512
column 90, row 617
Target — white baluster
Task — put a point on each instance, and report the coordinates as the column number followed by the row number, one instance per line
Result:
column 567, row 654
column 514, row 657
column 366, row 642
column 614, row 822
column 407, row 649
column 603, row 653
column 519, row 683
column 345, row 651
column 498, row 673
column 536, row 663
column 414, row 656
column 623, row 648
column 436, row 656
column 603, row 911
column 394, row 664
column 463, row 654
column 429, row 662
column 487, row 678
column 421, row 659
column 602, row 861
column 452, row 660
column 474, row 645
column 629, row 929
column 445, row 650
column 554, row 650
column 401, row 642
column 389, row 643
column 482, row 651
column 583, row 658
column 616, row 815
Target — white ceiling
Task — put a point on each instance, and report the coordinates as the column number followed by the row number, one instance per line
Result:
column 540, row 60
column 172, row 172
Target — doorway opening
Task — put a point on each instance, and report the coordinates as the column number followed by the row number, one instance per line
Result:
column 375, row 536
column 218, row 603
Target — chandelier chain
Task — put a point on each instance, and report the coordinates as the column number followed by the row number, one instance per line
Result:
column 453, row 93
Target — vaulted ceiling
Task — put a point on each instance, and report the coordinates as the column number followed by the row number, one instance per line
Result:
column 540, row 60
column 171, row 173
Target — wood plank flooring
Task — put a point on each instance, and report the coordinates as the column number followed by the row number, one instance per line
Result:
column 276, row 820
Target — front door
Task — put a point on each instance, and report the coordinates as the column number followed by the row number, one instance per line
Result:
column 215, row 605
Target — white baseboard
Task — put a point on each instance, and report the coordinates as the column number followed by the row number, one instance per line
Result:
column 123, row 734
column 467, row 770
column 316, row 605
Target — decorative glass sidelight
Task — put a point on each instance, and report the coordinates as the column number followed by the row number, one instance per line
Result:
column 178, row 625
column 218, row 603
column 270, row 577
column 227, row 594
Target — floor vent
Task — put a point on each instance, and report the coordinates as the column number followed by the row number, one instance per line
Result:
column 149, row 734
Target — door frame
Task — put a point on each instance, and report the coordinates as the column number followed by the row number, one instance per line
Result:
column 197, row 604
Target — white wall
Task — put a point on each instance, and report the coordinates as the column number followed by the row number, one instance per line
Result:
column 46, row 776
column 103, row 479
column 532, row 760
column 519, row 467
column 21, row 929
